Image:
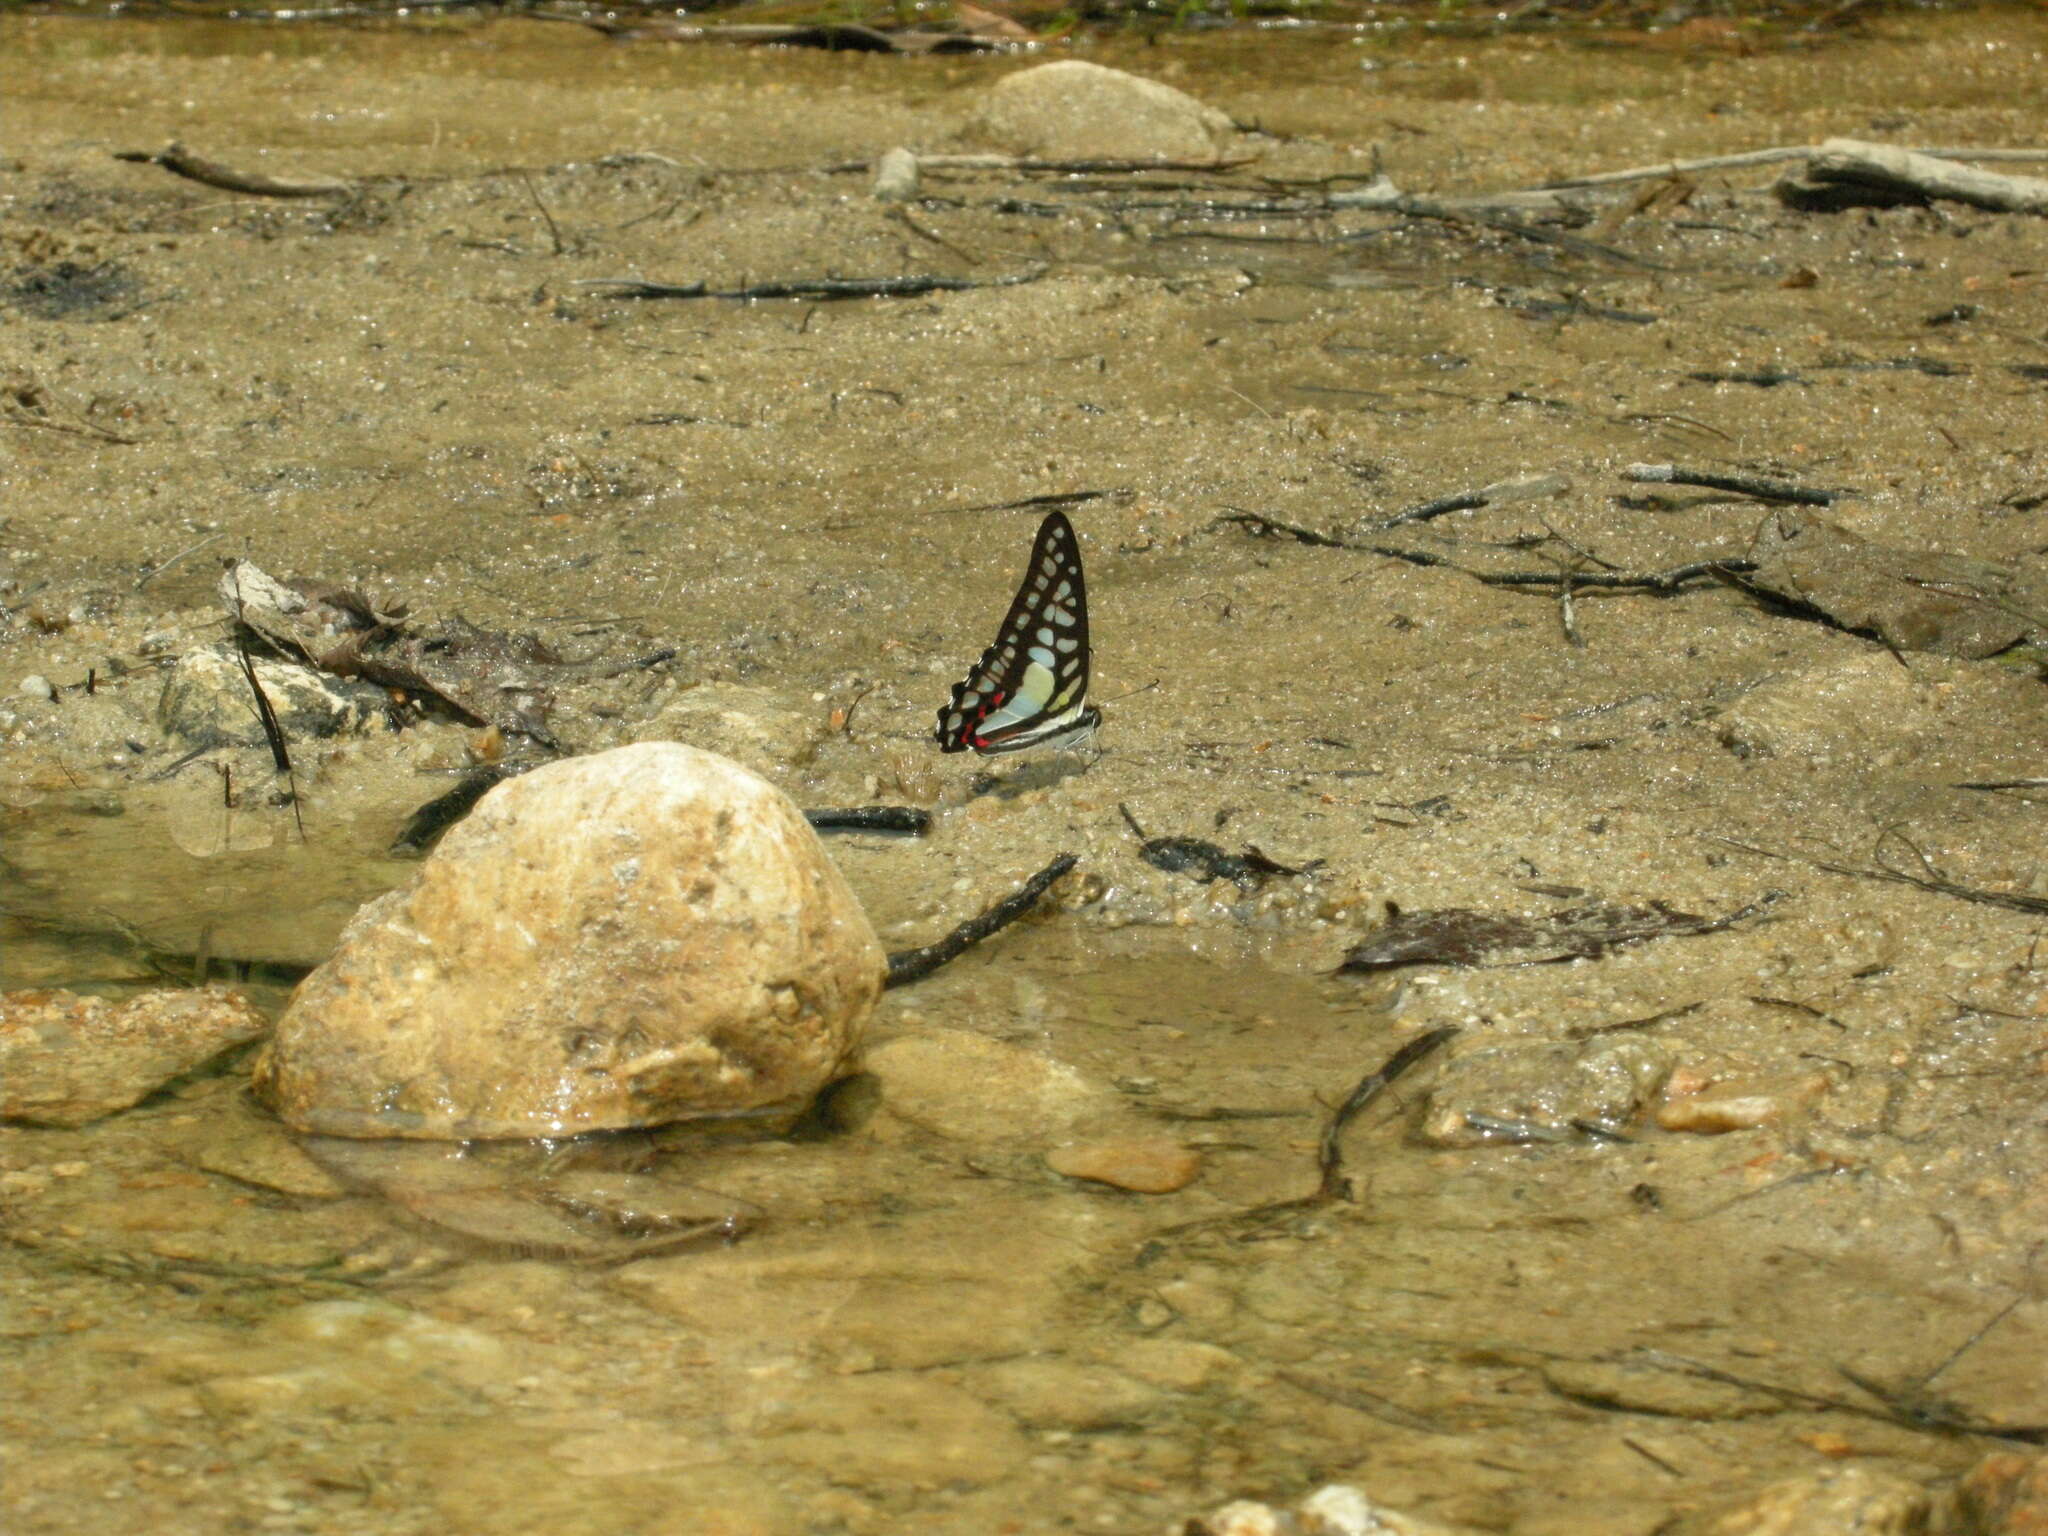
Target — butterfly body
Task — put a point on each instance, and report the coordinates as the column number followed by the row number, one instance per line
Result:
column 1030, row 688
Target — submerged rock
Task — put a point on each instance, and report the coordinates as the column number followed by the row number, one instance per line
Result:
column 1543, row 1090
column 69, row 1060
column 1073, row 110
column 636, row 937
column 1858, row 1500
column 1145, row 1165
column 967, row 1087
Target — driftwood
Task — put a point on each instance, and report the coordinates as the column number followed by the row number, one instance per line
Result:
column 180, row 161
column 1742, row 485
column 1851, row 173
column 1777, row 155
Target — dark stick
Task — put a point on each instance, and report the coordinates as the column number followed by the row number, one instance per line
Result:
column 1741, row 485
column 1330, row 1155
column 2011, row 901
column 272, row 731
column 808, row 287
column 907, row 965
column 1259, row 523
column 1057, row 501
column 554, row 230
column 871, row 818
column 1653, row 581
column 180, row 161
column 1464, row 501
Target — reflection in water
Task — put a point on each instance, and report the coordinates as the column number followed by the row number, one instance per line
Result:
column 835, row 1328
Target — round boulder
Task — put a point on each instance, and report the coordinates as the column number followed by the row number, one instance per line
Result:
column 636, row 937
column 1074, row 110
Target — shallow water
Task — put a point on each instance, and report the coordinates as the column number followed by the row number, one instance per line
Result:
column 912, row 1323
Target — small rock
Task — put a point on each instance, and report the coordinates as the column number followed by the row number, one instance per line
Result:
column 1240, row 1517
column 252, row 1148
column 1336, row 1509
column 36, row 686
column 69, row 1060
column 1077, row 111
column 1844, row 1501
column 2005, row 1494
column 1542, row 1090
column 627, row 939
column 1147, row 1166
column 207, row 702
column 1742, row 1105
column 968, row 1087
column 896, row 177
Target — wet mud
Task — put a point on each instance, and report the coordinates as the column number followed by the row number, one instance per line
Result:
column 1694, row 1212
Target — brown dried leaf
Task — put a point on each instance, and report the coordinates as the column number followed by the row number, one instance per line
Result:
column 1912, row 599
column 1457, row 936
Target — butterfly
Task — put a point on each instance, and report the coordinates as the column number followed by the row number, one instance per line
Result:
column 1030, row 688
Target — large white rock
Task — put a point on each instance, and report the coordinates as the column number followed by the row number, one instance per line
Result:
column 1074, row 110
column 636, row 937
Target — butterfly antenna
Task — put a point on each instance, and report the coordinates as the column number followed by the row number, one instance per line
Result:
column 1133, row 693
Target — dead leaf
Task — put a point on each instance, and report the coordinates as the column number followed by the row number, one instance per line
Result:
column 1911, row 599
column 1458, row 936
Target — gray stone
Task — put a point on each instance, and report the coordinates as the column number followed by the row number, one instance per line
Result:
column 207, row 702
column 896, row 177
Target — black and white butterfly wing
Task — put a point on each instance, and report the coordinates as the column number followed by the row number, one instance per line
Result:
column 1031, row 687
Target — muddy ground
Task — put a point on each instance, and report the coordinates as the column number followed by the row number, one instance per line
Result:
column 1518, row 1324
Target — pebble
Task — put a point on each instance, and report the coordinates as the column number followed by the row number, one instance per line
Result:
column 896, row 177
column 36, row 686
column 1741, row 1104
column 1336, row 1509
column 1145, row 1166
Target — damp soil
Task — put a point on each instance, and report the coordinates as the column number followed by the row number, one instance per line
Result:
column 1541, row 1311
